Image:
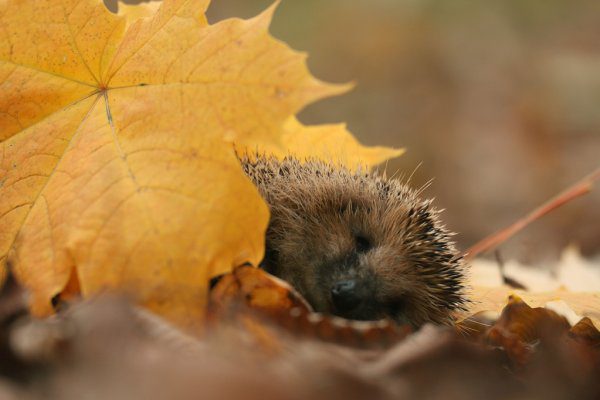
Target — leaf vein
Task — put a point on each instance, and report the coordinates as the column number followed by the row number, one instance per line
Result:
column 76, row 47
column 75, row 134
column 13, row 209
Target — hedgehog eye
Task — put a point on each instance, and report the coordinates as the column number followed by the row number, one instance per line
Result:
column 362, row 244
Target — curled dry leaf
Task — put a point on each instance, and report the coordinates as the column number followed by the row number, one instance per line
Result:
column 248, row 290
column 527, row 323
column 116, row 166
column 521, row 330
column 486, row 299
column 586, row 331
column 256, row 289
column 519, row 326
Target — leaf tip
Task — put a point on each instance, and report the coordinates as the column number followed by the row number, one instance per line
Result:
column 393, row 152
column 322, row 89
column 266, row 16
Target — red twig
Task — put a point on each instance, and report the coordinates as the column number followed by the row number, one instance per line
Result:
column 580, row 188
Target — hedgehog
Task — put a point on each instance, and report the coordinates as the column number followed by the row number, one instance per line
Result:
column 356, row 244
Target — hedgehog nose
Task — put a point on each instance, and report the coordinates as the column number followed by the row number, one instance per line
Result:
column 345, row 295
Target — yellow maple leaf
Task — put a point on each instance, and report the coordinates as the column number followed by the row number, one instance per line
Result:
column 116, row 168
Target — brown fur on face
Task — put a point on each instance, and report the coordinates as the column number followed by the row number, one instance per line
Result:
column 355, row 244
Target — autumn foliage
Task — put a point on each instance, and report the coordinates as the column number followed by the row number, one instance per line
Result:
column 117, row 166
column 118, row 173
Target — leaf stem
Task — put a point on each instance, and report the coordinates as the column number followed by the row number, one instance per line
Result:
column 581, row 187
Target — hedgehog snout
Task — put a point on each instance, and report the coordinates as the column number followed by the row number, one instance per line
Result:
column 349, row 296
column 345, row 295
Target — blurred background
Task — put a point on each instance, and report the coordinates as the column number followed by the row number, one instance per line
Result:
column 497, row 101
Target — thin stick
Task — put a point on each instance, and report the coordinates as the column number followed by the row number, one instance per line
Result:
column 580, row 188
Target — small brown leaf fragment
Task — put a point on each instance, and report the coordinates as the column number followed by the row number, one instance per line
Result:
column 520, row 327
column 255, row 289
column 585, row 331
column 527, row 323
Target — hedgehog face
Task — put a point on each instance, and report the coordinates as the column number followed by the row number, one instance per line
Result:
column 368, row 259
column 357, row 245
